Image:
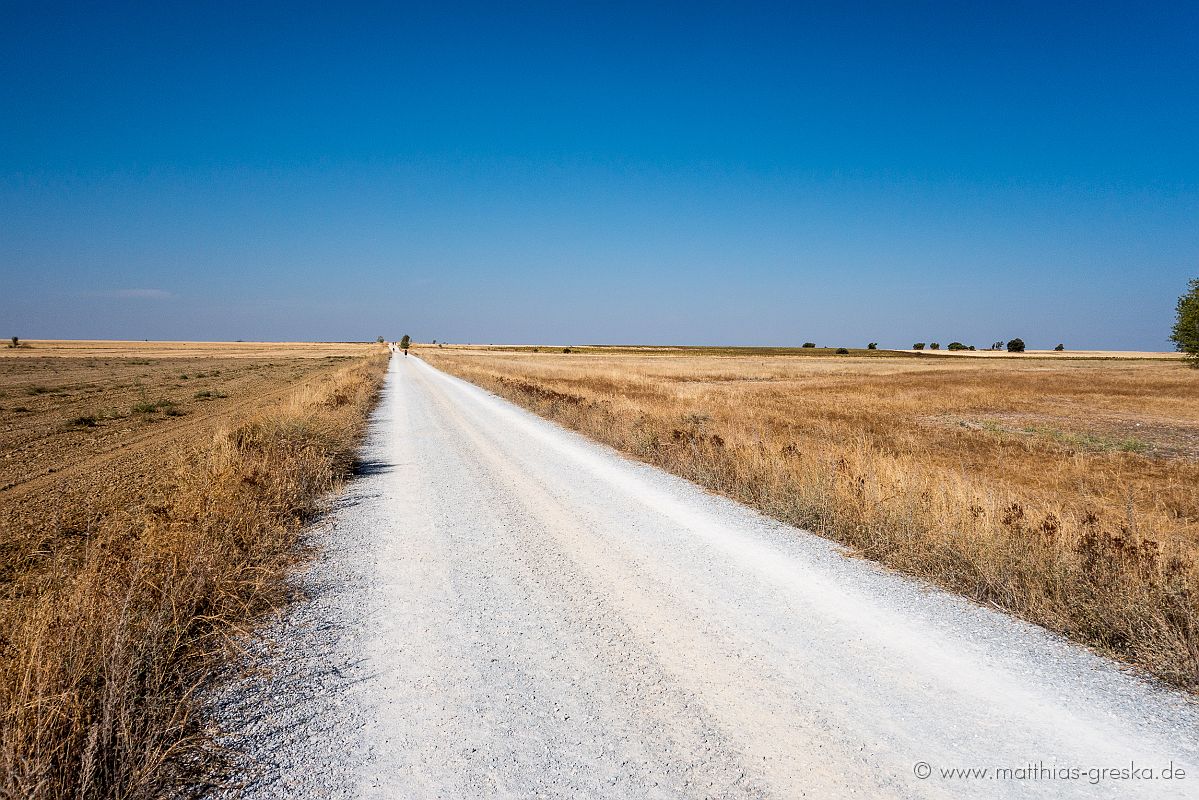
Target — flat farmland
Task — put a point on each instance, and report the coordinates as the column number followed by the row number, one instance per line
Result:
column 1062, row 489
column 64, row 404
column 150, row 499
column 82, row 423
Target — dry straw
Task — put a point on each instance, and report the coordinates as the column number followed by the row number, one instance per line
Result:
column 106, row 648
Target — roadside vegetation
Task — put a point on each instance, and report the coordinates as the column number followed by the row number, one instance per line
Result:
column 1065, row 491
column 120, row 600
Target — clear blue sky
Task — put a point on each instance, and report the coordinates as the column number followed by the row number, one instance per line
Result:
column 612, row 172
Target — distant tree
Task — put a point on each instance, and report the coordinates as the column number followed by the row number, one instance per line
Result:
column 841, row 351
column 918, row 346
column 971, row 347
column 434, row 341
column 1060, row 348
column 935, row 346
column 16, row 341
column 565, row 349
column 405, row 342
column 1186, row 327
column 872, row 346
column 380, row 340
column 957, row 346
column 997, row 346
column 809, row 344
column 1015, row 346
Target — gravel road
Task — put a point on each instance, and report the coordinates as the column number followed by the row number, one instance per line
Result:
column 505, row 609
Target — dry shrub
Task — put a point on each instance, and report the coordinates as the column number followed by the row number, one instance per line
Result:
column 105, row 651
column 1057, row 538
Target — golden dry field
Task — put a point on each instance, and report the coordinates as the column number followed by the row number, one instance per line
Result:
column 1063, row 488
column 150, row 494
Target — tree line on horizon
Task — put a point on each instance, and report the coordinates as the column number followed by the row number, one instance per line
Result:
column 1184, row 334
column 1013, row 346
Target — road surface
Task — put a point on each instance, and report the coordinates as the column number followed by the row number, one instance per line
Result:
column 505, row 609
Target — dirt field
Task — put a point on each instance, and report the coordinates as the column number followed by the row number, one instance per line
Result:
column 83, row 422
column 149, row 498
column 1063, row 489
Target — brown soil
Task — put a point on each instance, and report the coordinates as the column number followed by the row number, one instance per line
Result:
column 84, row 426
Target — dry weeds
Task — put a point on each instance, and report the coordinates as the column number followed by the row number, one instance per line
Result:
column 111, row 624
column 1066, row 492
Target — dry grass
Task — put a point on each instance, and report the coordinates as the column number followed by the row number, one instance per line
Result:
column 1065, row 491
column 112, row 622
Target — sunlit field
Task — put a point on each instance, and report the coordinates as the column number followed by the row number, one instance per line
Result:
column 150, row 496
column 1063, row 489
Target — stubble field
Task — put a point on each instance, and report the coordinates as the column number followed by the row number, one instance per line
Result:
column 1065, row 490
column 150, row 494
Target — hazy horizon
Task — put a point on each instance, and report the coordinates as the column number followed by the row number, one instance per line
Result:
column 704, row 174
column 699, row 345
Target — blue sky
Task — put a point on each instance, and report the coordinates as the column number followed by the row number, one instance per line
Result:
column 610, row 172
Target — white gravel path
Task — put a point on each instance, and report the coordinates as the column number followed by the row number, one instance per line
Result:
column 505, row 609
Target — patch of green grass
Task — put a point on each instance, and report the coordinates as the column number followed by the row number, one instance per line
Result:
column 209, row 394
column 1080, row 441
column 149, row 407
column 1090, row 441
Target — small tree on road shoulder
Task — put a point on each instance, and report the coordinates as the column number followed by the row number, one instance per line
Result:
column 405, row 342
column 1186, row 326
column 1015, row 346
column 918, row 346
